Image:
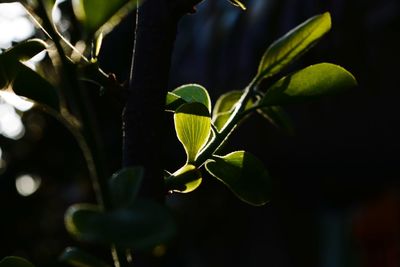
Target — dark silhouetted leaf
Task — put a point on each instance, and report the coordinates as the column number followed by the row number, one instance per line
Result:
column 124, row 186
column 193, row 128
column 278, row 117
column 244, row 175
column 13, row 261
column 25, row 50
column 30, row 84
column 79, row 258
column 294, row 44
column 309, row 83
column 142, row 226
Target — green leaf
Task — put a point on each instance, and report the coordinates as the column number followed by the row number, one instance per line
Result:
column 293, row 45
column 238, row 4
column 184, row 180
column 224, row 107
column 193, row 128
column 309, row 83
column 244, row 175
column 25, row 50
column 278, row 117
column 101, row 15
column 12, row 261
column 188, row 93
column 124, row 186
column 141, row 227
column 79, row 258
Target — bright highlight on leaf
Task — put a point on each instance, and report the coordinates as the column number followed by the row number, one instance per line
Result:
column 142, row 226
column 238, row 4
column 293, row 45
column 188, row 93
column 193, row 128
column 186, row 179
column 244, row 175
column 309, row 83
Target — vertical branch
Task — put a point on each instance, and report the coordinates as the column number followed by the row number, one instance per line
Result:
column 143, row 114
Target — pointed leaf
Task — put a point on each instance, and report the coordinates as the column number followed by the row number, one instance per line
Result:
column 293, row 45
column 141, row 227
column 13, row 261
column 278, row 117
column 309, row 83
column 188, row 93
column 244, row 175
column 124, row 186
column 79, row 258
column 193, row 128
column 184, row 180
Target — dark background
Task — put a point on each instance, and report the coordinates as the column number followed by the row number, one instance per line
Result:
column 335, row 198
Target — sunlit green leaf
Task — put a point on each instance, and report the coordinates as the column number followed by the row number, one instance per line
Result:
column 124, row 186
column 224, row 107
column 101, row 15
column 238, row 4
column 79, row 258
column 193, row 127
column 184, row 180
column 309, row 83
column 294, row 44
column 278, row 117
column 12, row 261
column 142, row 226
column 244, row 175
column 188, row 93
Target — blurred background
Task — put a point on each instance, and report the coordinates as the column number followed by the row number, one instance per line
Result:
column 336, row 196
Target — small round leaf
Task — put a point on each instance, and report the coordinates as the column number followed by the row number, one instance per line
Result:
column 142, row 226
column 224, row 107
column 188, row 93
column 244, row 175
column 184, row 180
column 12, row 261
column 124, row 186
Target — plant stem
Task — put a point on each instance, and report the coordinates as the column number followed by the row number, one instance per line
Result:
column 175, row 182
column 89, row 143
column 229, row 127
